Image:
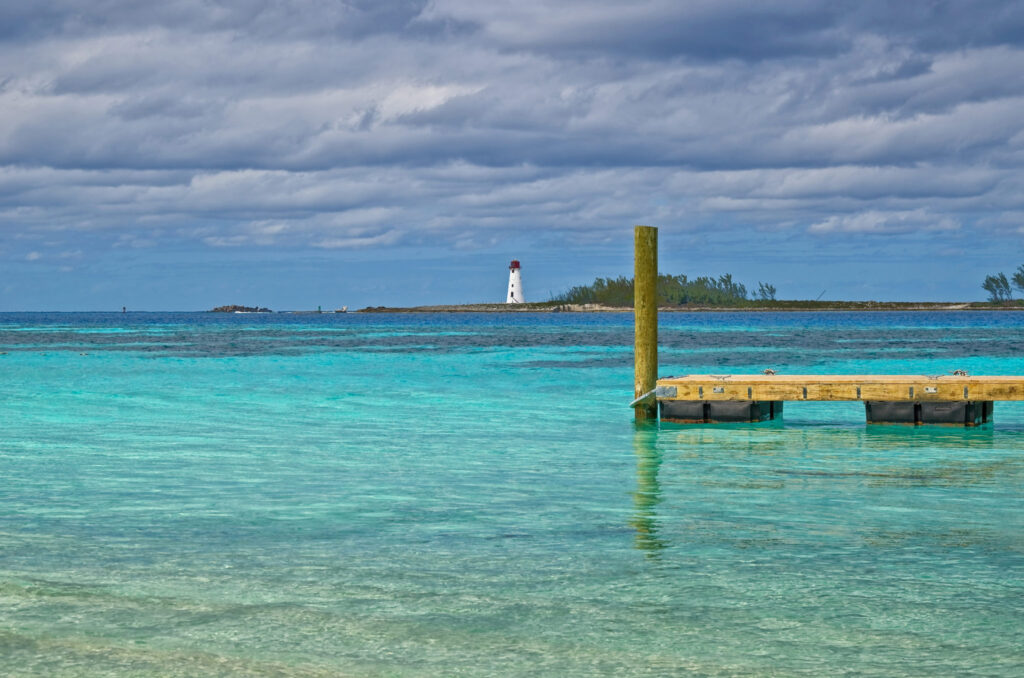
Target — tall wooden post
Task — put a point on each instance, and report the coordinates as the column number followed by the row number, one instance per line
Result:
column 645, row 313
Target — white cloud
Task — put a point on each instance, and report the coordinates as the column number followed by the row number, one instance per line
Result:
column 885, row 222
column 376, row 124
column 358, row 241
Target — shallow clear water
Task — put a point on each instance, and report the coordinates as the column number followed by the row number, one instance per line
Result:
column 438, row 495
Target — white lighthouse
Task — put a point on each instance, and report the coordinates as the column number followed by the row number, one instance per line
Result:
column 515, row 284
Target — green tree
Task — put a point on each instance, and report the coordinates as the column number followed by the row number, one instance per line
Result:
column 765, row 292
column 1018, row 278
column 998, row 288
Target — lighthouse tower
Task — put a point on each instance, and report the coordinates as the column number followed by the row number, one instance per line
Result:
column 515, row 284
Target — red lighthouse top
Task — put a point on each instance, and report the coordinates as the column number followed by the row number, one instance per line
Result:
column 514, row 264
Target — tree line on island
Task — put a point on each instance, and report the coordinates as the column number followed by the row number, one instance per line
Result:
column 998, row 285
column 672, row 290
column 680, row 290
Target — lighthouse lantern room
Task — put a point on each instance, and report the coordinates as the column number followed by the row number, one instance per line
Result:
column 515, row 284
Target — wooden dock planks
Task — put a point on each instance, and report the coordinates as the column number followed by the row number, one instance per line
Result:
column 890, row 388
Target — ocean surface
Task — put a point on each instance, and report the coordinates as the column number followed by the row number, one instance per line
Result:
column 467, row 495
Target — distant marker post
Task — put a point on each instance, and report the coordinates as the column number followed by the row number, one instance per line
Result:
column 645, row 313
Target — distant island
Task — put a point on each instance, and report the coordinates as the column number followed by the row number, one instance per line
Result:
column 678, row 292
column 705, row 293
column 240, row 309
column 752, row 306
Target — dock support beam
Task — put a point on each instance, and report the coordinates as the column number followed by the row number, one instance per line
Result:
column 645, row 313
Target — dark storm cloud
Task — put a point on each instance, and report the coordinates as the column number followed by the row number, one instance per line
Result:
column 944, row 25
column 370, row 123
column 264, row 19
column 721, row 29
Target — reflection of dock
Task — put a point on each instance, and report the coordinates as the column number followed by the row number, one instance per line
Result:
column 688, row 480
column 909, row 399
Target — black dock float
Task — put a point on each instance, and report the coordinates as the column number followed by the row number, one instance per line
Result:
column 719, row 411
column 950, row 413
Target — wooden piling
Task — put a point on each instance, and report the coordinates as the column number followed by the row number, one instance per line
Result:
column 645, row 313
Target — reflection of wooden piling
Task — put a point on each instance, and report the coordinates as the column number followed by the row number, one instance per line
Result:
column 648, row 491
column 645, row 312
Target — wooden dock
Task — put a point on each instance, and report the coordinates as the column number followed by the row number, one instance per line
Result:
column 889, row 388
column 956, row 400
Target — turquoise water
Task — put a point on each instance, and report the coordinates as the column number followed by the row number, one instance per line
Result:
column 449, row 495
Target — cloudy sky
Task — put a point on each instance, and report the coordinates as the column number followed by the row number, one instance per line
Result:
column 292, row 153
